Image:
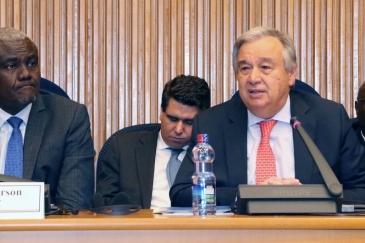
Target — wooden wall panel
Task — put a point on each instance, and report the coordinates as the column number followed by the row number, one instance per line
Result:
column 115, row 56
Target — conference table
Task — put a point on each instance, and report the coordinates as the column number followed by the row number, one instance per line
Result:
column 144, row 226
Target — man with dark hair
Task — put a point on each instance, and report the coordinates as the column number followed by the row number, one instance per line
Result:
column 359, row 122
column 252, row 137
column 138, row 163
column 43, row 137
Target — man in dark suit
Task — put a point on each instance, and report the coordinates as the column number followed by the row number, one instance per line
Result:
column 136, row 163
column 58, row 149
column 358, row 123
column 265, row 66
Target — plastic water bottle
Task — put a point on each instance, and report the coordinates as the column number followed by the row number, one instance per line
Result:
column 204, row 182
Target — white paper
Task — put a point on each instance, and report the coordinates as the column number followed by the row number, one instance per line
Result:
column 220, row 210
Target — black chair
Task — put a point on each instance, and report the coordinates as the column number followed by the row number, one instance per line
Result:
column 134, row 128
column 48, row 85
column 299, row 85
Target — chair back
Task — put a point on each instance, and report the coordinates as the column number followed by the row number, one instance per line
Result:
column 48, row 85
column 134, row 128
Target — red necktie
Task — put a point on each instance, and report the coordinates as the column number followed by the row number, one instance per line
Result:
column 265, row 160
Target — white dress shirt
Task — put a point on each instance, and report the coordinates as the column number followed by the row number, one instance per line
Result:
column 281, row 141
column 160, row 191
column 6, row 129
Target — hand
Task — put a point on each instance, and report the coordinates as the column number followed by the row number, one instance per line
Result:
column 281, row 181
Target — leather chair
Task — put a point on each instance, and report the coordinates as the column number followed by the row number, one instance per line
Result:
column 48, row 85
column 134, row 128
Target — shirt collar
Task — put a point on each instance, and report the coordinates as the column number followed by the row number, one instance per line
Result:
column 284, row 115
column 23, row 114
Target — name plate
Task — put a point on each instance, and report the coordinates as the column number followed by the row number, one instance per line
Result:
column 22, row 200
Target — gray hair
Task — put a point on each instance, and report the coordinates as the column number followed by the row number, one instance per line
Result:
column 11, row 34
column 290, row 59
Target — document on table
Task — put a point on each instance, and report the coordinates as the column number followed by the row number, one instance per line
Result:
column 221, row 210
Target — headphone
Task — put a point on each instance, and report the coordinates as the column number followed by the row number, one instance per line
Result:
column 120, row 205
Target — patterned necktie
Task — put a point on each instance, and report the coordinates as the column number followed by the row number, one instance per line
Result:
column 14, row 154
column 265, row 160
column 173, row 165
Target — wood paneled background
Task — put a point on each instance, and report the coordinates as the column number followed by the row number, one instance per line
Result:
column 114, row 56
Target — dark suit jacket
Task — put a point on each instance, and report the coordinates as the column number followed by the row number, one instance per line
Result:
column 357, row 128
column 326, row 122
column 128, row 167
column 59, row 151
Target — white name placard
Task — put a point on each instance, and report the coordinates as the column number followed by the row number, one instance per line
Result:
column 22, row 200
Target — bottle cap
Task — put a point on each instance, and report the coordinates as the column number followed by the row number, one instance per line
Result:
column 203, row 138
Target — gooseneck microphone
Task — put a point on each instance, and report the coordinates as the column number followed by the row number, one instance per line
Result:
column 119, row 205
column 331, row 181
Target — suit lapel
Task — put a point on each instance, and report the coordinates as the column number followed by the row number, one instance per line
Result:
column 235, row 137
column 145, row 158
column 33, row 136
column 303, row 159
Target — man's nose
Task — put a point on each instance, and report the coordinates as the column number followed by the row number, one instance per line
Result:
column 255, row 75
column 179, row 128
column 24, row 73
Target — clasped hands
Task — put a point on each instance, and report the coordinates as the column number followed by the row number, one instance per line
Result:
column 281, row 181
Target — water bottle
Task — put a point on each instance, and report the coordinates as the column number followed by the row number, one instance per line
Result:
column 204, row 182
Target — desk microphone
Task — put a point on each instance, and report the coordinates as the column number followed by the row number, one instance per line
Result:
column 332, row 183
column 294, row 199
column 119, row 205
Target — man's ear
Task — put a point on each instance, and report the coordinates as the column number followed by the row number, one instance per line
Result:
column 161, row 112
column 292, row 76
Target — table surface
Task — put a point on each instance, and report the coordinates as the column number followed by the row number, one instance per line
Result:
column 146, row 220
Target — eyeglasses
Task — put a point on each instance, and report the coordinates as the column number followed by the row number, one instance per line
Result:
column 362, row 101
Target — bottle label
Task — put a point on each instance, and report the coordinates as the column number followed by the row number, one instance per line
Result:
column 209, row 194
column 198, row 193
column 203, row 195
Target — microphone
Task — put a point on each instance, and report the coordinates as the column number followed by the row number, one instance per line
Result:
column 294, row 199
column 328, row 176
column 119, row 205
